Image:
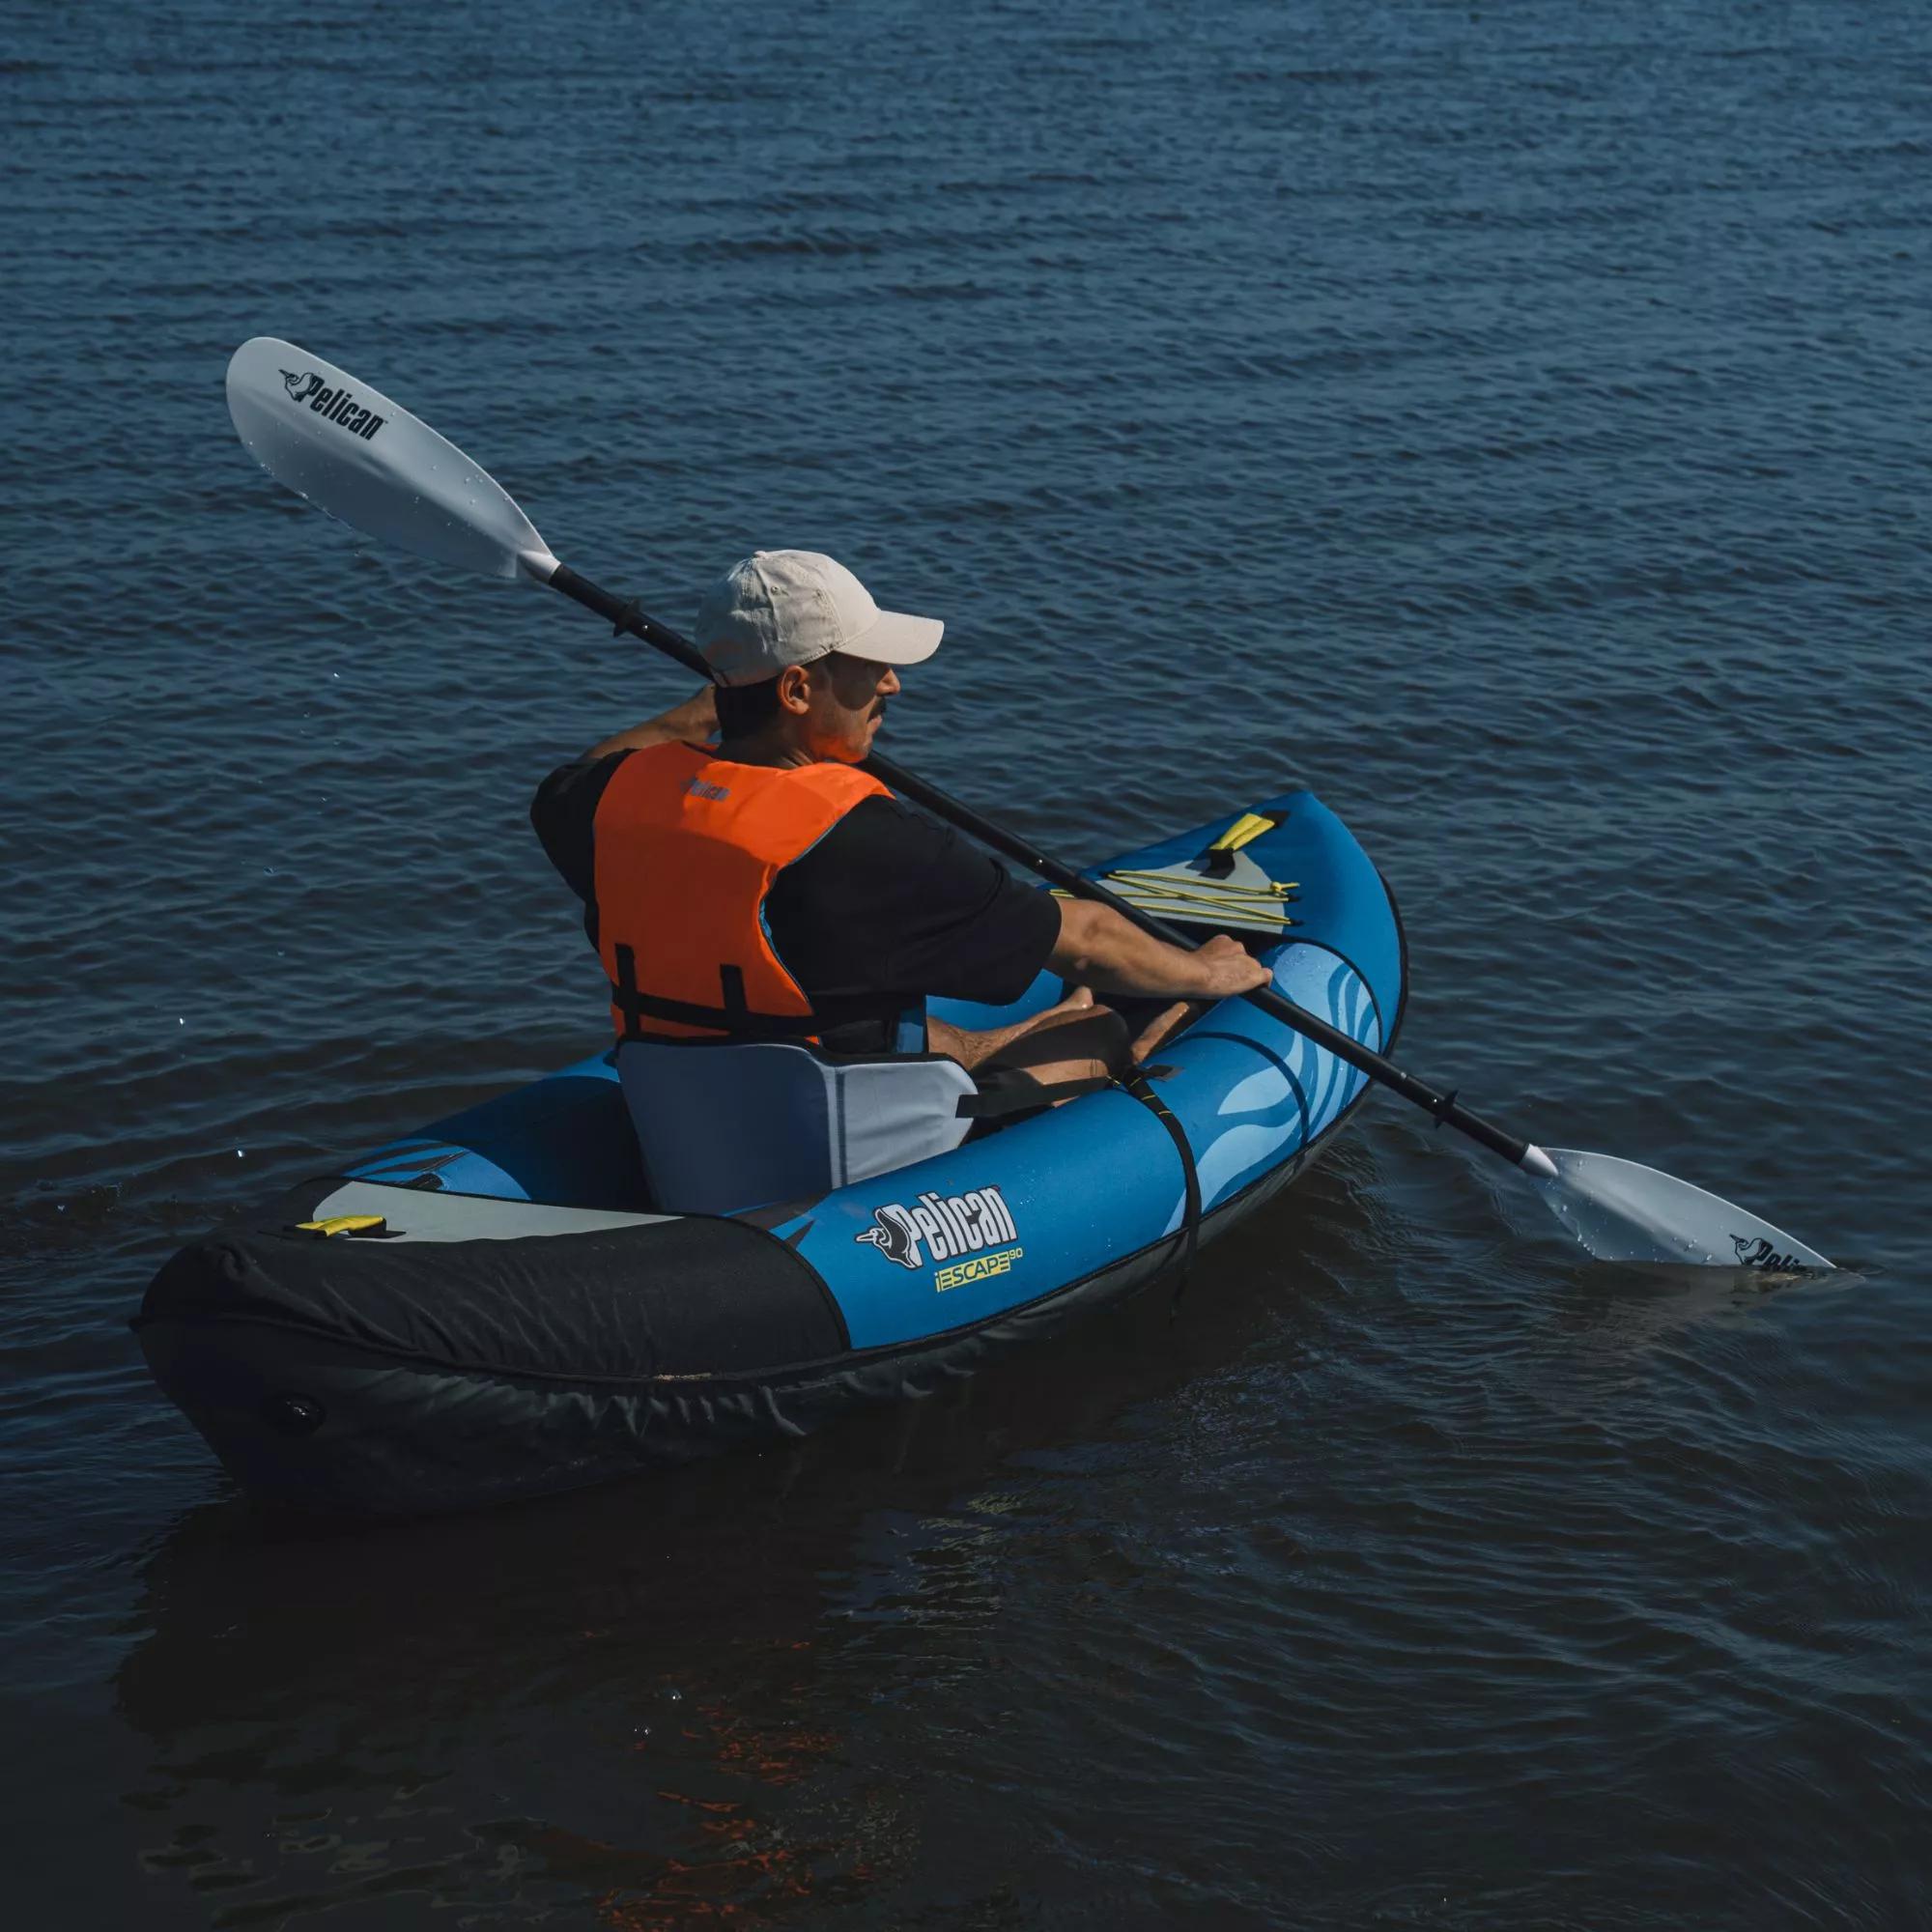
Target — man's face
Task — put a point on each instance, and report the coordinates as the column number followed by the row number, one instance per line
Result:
column 847, row 700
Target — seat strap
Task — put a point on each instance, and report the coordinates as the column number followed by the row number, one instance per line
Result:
column 1012, row 1090
column 1137, row 1083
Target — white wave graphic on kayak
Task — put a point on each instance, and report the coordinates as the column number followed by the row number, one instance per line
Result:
column 1297, row 1089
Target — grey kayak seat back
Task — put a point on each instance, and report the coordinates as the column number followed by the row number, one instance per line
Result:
column 729, row 1125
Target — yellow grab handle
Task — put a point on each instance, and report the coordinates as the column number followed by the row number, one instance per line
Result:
column 1244, row 831
column 346, row 1224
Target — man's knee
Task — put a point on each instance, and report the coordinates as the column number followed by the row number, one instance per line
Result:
column 1098, row 1034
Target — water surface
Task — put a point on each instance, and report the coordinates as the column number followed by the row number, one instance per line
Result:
column 1511, row 421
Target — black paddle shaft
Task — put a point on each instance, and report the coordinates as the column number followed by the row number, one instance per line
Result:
column 626, row 617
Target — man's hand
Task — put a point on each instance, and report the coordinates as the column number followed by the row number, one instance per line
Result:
column 1227, row 968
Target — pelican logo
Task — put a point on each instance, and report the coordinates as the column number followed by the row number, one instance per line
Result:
column 1760, row 1253
column 336, row 406
column 942, row 1227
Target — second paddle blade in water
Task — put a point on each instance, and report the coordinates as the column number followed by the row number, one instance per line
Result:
column 1624, row 1212
column 352, row 451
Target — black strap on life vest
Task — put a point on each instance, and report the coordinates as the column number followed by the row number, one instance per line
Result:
column 732, row 1015
column 1137, row 1083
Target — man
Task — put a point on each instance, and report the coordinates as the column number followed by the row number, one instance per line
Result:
column 767, row 890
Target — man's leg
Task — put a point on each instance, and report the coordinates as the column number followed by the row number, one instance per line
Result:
column 1073, row 1040
column 975, row 1049
column 1165, row 1024
column 1088, row 1043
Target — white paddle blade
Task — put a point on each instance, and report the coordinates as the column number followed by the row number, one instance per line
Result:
column 352, row 451
column 1624, row 1212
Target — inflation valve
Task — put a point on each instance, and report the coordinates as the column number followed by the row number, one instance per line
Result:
column 292, row 1414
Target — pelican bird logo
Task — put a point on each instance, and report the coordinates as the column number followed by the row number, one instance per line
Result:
column 894, row 1233
column 1760, row 1253
column 292, row 383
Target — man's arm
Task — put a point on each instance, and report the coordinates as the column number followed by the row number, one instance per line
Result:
column 564, row 809
column 1099, row 949
column 695, row 720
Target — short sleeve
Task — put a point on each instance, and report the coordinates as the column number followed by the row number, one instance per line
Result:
column 892, row 901
column 564, row 812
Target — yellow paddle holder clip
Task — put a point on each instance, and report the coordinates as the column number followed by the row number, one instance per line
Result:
column 1219, row 857
column 345, row 1224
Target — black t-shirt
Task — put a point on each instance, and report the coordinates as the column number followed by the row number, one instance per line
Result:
column 887, row 903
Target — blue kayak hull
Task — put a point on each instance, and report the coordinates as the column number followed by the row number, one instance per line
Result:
column 525, row 1320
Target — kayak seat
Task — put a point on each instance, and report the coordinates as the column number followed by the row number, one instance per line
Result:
column 727, row 1126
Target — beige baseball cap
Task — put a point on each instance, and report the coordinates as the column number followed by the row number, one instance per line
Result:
column 791, row 607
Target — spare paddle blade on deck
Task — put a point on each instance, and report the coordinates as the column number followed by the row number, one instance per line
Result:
column 348, row 449
column 1624, row 1212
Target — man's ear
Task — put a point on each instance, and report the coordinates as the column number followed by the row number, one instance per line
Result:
column 795, row 689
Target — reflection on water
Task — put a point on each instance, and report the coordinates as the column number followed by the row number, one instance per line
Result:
column 653, row 1697
column 654, row 1649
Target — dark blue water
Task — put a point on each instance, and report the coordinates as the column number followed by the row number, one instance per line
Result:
column 1511, row 421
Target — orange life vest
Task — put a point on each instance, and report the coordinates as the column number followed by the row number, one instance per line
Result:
column 687, row 845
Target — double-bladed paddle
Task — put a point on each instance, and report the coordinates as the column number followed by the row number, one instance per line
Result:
column 355, row 454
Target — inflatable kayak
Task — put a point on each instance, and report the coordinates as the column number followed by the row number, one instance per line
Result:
column 494, row 1308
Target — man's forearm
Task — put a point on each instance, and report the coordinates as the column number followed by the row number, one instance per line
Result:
column 695, row 720
column 1105, row 951
column 1099, row 949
